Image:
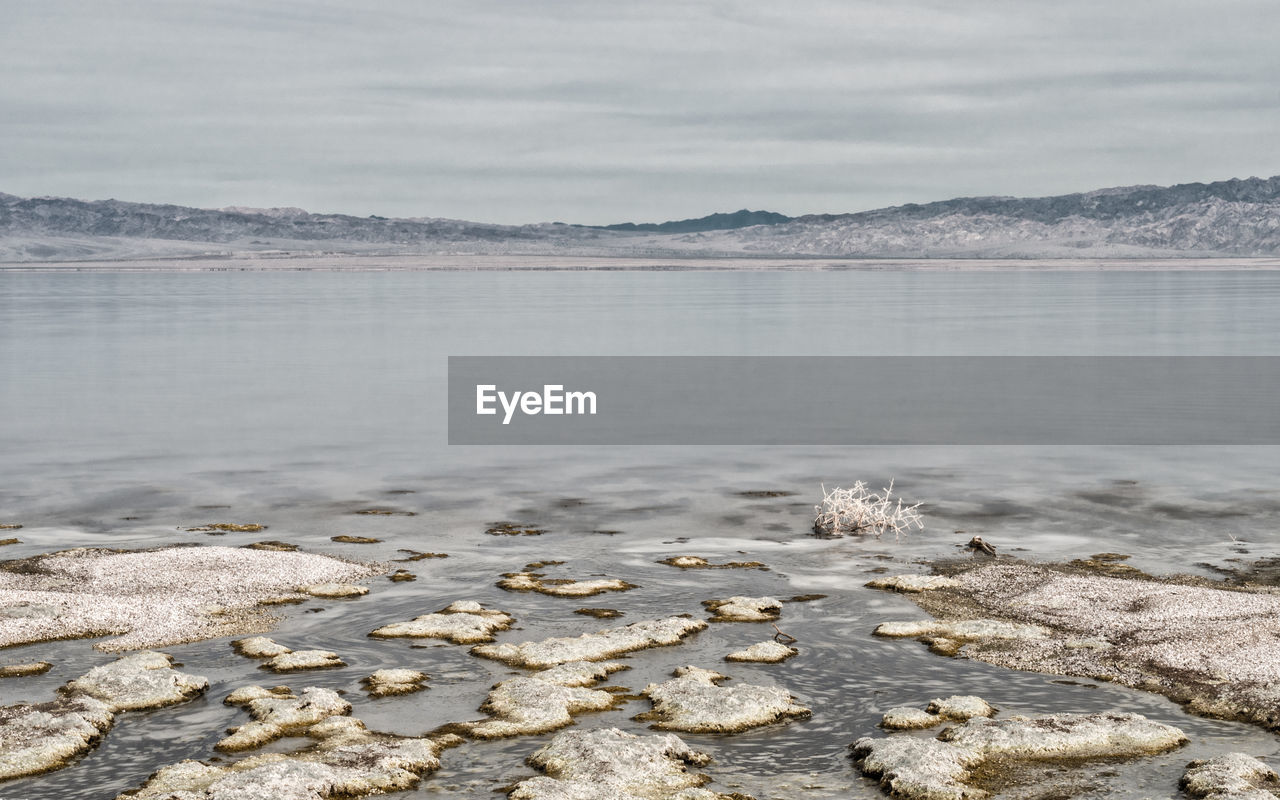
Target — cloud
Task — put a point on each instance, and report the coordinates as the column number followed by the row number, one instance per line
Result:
column 600, row 112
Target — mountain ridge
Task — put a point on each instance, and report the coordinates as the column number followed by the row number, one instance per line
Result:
column 1235, row 217
column 743, row 218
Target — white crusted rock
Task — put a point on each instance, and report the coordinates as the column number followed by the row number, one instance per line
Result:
column 259, row 647
column 335, row 590
column 534, row 582
column 745, row 609
column 296, row 660
column 1215, row 648
column 545, row 701
column 389, row 682
column 917, row 769
column 609, row 764
column 349, row 761
column 905, row 718
column 40, row 737
column 138, row 681
column 962, row 630
column 1231, row 776
column 1065, row 736
column 961, row 707
column 941, row 768
column 461, row 622
column 694, row 701
column 766, row 652
column 593, row 646
column 276, row 714
column 698, row 562
column 913, row 583
column 150, row 598
column 25, row 670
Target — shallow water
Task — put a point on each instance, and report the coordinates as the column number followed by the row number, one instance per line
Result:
column 135, row 404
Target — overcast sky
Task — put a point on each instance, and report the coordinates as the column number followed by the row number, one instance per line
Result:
column 599, row 112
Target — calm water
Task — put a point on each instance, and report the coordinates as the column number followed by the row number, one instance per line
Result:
column 132, row 404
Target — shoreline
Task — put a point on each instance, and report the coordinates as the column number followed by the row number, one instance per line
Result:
column 578, row 263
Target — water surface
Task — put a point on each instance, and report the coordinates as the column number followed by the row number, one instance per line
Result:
column 133, row 404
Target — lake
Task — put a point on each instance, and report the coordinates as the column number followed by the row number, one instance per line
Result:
column 136, row 404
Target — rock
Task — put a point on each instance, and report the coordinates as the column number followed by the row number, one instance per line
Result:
column 227, row 527
column 402, row 576
column 1065, row 735
column 348, row 762
column 1214, row 648
column 543, row 702
column 283, row 659
column 334, row 590
column 149, row 598
column 513, row 529
column 414, row 555
column 1231, row 776
column 968, row 630
column 138, row 681
column 274, row 546
column 296, row 660
column 913, row 583
column 698, row 562
column 979, row 545
column 9, row 541
column 533, row 582
column 277, row 713
column 609, row 764
column 766, row 652
column 259, row 647
column 961, row 707
column 917, row 769
column 599, row 613
column 347, row 539
column 956, row 707
column 695, row 702
column 389, row 682
column 10, row 526
column 23, row 670
column 944, row 768
column 905, row 718
column 462, row 622
column 597, row 646
column 745, row 609
column 39, row 737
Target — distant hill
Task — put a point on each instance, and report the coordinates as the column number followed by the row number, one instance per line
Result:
column 711, row 222
column 1233, row 217
column 1226, row 218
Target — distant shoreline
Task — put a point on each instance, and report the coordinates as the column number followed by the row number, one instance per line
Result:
column 547, row 263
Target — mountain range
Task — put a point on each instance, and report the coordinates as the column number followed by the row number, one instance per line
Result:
column 1238, row 217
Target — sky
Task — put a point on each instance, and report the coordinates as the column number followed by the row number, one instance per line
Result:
column 597, row 112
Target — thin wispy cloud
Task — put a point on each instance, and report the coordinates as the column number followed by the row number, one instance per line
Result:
column 599, row 112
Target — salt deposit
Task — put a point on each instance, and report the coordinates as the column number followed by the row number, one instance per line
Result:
column 1215, row 649
column 745, row 609
column 945, row 768
column 593, row 646
column 609, row 764
column 694, row 701
column 149, row 598
column 461, row 622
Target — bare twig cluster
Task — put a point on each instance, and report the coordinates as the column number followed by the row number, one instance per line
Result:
column 859, row 510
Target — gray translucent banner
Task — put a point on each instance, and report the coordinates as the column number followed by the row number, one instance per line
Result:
column 779, row 400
